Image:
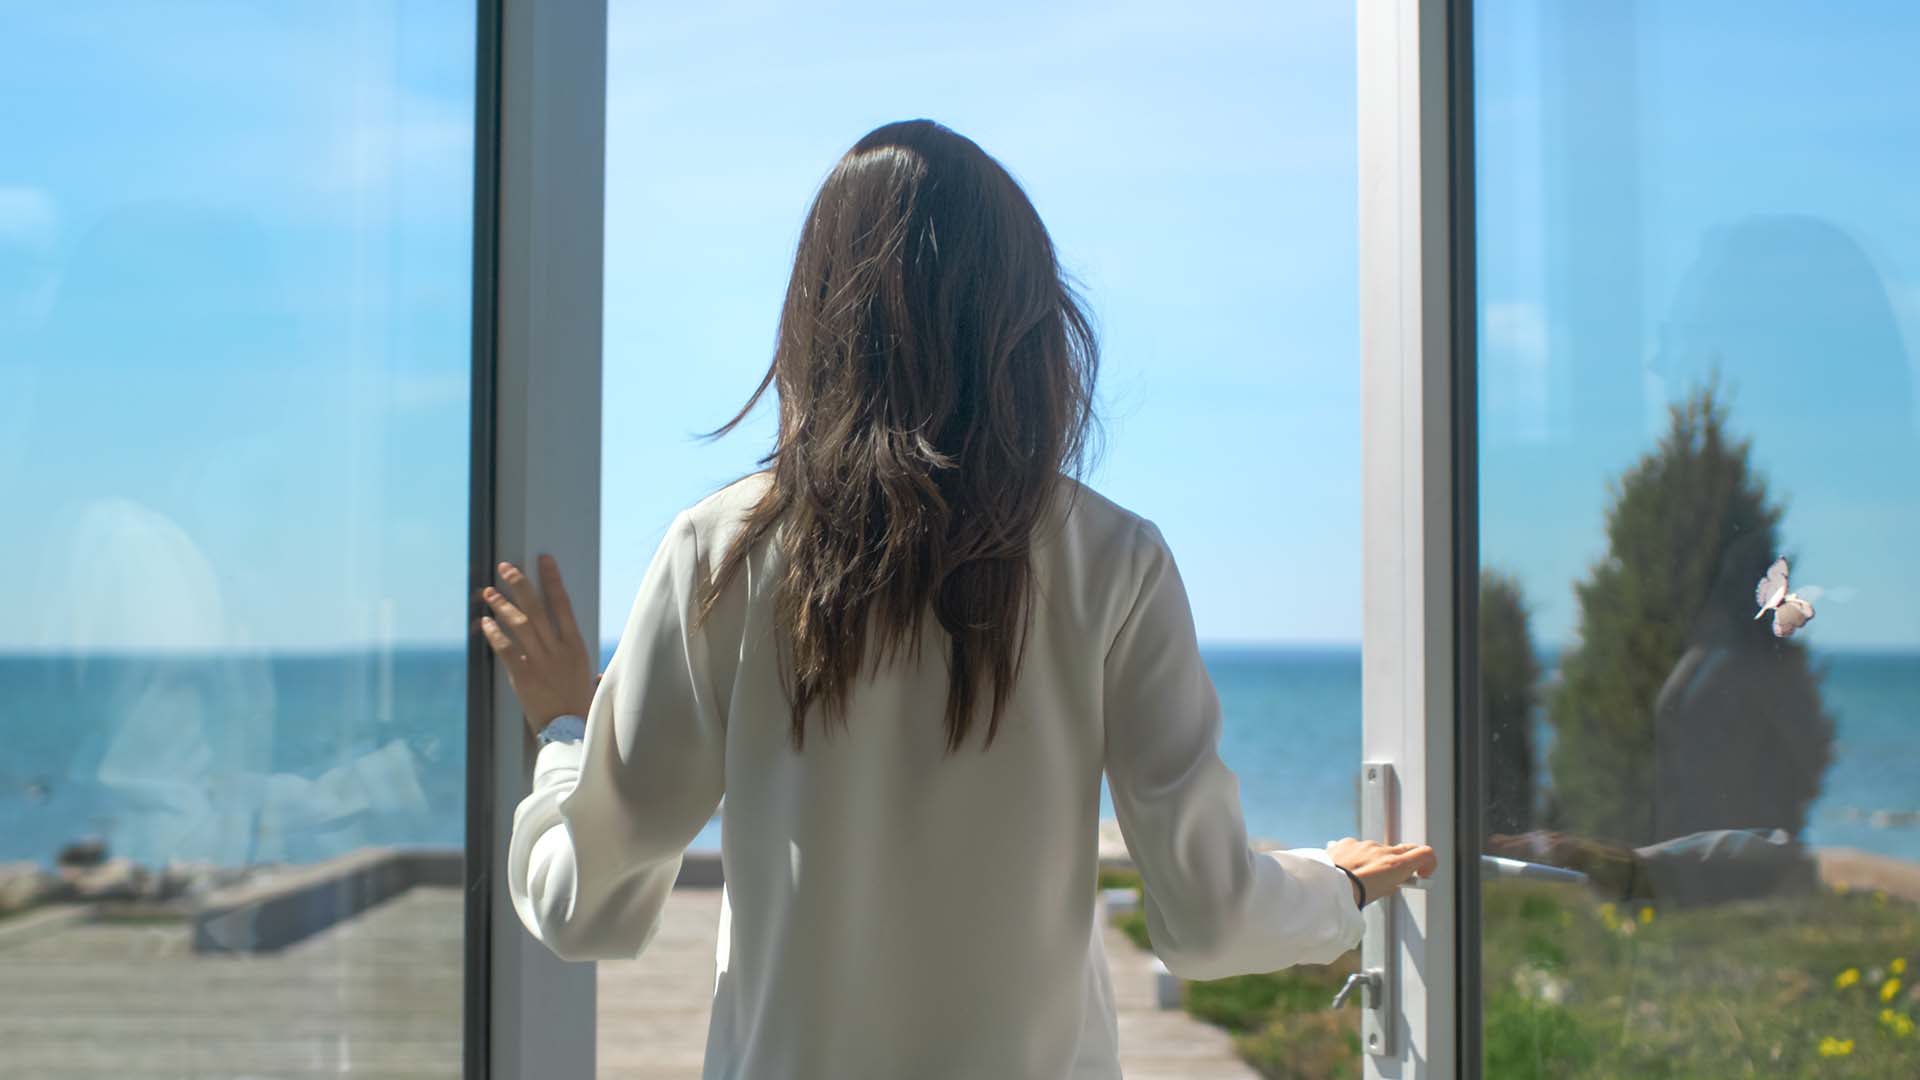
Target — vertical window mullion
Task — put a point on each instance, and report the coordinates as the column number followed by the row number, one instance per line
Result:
column 549, row 210
column 476, row 994
column 1470, row 792
column 1409, row 343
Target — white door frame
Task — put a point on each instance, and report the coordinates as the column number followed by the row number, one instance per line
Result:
column 540, row 152
column 1416, row 372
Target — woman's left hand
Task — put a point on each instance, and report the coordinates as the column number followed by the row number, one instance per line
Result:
column 535, row 635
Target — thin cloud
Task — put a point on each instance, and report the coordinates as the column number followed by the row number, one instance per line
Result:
column 27, row 215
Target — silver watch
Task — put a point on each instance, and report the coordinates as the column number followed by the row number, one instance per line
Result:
column 564, row 729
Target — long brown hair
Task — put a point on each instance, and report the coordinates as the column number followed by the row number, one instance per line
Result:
column 935, row 373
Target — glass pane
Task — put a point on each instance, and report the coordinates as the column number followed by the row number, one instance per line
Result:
column 1196, row 169
column 1699, row 306
column 235, row 277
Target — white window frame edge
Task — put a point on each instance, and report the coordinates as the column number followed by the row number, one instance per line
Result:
column 1408, row 339
column 549, row 225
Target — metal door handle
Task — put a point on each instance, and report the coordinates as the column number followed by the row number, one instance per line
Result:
column 1497, row 867
column 1493, row 866
column 1368, row 982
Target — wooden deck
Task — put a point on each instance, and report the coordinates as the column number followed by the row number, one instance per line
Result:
column 379, row 996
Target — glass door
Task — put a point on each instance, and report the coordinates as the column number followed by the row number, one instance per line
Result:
column 1697, row 673
column 235, row 298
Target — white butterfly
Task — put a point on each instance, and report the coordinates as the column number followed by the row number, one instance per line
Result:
column 1790, row 612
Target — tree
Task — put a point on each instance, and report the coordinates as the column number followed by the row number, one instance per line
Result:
column 1678, row 711
column 1509, row 691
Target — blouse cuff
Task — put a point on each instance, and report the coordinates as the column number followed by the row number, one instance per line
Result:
column 1353, row 923
column 558, row 763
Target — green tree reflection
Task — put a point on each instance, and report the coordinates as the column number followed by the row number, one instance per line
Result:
column 1509, row 692
column 1678, row 712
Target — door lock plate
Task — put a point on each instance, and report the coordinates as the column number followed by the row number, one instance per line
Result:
column 1379, row 949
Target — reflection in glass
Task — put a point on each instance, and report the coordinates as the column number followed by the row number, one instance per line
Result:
column 234, row 278
column 1697, row 360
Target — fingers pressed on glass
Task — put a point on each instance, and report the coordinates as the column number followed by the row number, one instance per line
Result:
column 497, row 638
column 511, row 616
column 527, row 599
column 557, row 598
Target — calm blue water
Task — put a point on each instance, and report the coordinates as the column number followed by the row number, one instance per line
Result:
column 237, row 759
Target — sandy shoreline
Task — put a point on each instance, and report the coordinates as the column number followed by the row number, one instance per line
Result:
column 1852, row 868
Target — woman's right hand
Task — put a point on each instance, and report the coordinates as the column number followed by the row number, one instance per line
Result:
column 1382, row 868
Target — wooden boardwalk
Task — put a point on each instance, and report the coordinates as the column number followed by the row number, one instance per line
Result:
column 379, row 996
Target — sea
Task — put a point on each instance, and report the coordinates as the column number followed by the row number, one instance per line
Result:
column 242, row 759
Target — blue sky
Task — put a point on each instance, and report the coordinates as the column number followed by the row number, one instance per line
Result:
column 234, row 295
column 1200, row 184
column 233, row 291
column 1666, row 189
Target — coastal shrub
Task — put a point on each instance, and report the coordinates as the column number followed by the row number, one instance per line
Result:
column 1134, row 925
column 1678, row 712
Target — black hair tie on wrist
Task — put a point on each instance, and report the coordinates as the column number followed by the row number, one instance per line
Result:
column 1358, row 885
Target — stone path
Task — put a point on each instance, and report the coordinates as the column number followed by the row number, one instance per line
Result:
column 376, row 996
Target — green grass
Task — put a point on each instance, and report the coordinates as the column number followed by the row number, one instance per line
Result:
column 1304, row 1046
column 1579, row 990
column 1244, row 1003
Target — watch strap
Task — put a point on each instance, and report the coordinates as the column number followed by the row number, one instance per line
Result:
column 567, row 729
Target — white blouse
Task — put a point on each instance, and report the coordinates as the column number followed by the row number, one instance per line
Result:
column 891, row 911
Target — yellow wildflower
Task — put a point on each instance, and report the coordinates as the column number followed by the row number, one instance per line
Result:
column 1841, row 888
column 1879, row 898
column 1646, row 915
column 1899, row 1023
column 1899, row 965
column 1832, row 1047
column 1889, row 989
column 1846, row 978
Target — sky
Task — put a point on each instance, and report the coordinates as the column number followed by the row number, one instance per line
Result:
column 235, row 242
column 235, row 285
column 1666, row 191
column 1200, row 185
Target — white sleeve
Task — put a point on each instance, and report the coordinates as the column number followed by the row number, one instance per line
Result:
column 597, row 844
column 1214, row 907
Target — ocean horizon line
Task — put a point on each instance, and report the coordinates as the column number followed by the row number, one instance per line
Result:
column 1547, row 651
column 445, row 647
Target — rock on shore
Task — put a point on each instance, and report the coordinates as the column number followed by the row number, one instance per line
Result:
column 25, row 885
